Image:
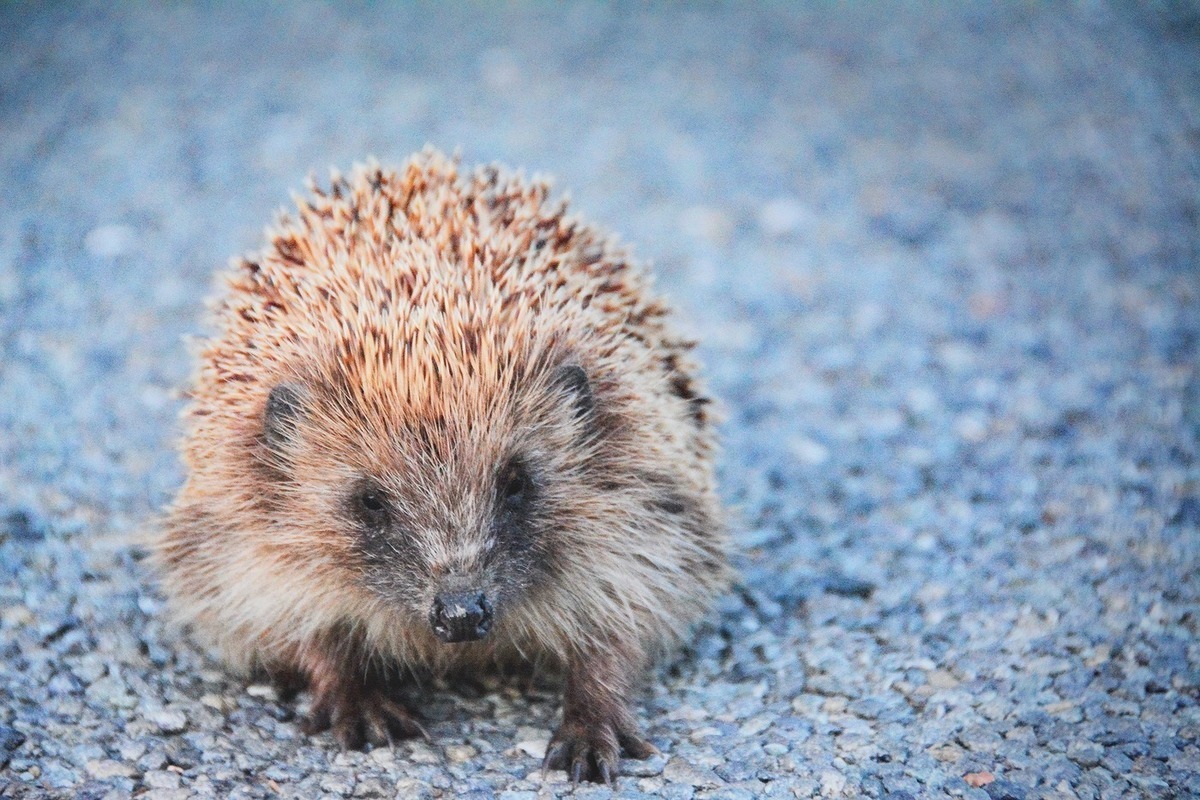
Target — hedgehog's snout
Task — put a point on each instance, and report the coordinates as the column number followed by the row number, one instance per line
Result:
column 461, row 616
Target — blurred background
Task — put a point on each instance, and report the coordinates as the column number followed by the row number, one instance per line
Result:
column 943, row 262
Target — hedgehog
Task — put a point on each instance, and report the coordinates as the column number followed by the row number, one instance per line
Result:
column 443, row 427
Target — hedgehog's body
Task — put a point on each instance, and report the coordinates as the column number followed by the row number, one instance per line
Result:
column 443, row 425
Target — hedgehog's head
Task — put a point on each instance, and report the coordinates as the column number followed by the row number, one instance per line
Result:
column 448, row 502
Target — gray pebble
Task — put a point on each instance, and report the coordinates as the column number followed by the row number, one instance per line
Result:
column 677, row 770
column 644, row 768
column 1085, row 754
column 168, row 721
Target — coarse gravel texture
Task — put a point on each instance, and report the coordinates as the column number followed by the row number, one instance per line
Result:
column 944, row 262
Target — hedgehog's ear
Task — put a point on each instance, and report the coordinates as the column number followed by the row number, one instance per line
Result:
column 572, row 379
column 285, row 407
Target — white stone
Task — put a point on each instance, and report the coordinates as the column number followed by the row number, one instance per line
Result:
column 168, row 720
column 783, row 215
column 809, row 451
column 833, row 784
column 110, row 241
column 536, row 748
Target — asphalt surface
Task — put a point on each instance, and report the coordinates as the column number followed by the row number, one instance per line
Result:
column 944, row 262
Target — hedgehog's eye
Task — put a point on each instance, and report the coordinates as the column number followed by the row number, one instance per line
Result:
column 515, row 486
column 370, row 505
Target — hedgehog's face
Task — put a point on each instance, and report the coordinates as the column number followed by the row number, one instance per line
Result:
column 455, row 555
column 453, row 517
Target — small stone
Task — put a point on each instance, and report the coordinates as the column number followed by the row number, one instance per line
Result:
column 217, row 702
column 107, row 768
column 949, row 753
column 679, row 771
column 781, row 216
column 168, row 720
column 371, row 787
column 644, row 768
column 956, row 356
column 689, row 714
column 809, row 451
column 179, row 752
column 706, row 223
column 980, row 739
column 59, row 776
column 90, row 668
column 941, row 679
column 971, row 427
column 1151, row 785
column 154, row 759
column 16, row 616
column 1060, row 707
column 167, row 794
column 110, row 241
column 161, row 779
column 676, row 791
column 834, row 705
column 458, row 753
column 342, row 785
column 1117, row 762
column 412, row 788
column 883, row 422
column 978, row 779
column 383, row 755
column 756, row 725
column 111, row 690
column 1048, row 665
column 423, row 754
column 833, row 784
column 535, row 748
column 131, row 751
column 775, row 748
column 499, row 68
column 1084, row 753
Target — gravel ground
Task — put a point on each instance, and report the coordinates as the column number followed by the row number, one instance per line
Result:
column 944, row 263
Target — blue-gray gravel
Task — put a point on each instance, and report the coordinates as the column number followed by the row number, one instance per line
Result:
column 944, row 262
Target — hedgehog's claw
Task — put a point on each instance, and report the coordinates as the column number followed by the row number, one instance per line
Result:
column 555, row 757
column 606, row 773
column 361, row 718
column 591, row 752
column 635, row 746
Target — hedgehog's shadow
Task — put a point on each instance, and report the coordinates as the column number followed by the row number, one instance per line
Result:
column 769, row 587
column 444, row 700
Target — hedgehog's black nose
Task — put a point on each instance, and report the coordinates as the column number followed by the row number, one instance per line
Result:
column 461, row 616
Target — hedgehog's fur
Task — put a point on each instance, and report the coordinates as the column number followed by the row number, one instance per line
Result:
column 424, row 331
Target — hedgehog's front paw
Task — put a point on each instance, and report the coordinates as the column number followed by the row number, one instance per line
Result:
column 361, row 716
column 589, row 751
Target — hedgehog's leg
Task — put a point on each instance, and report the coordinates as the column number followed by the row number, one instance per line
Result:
column 351, row 695
column 598, row 724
